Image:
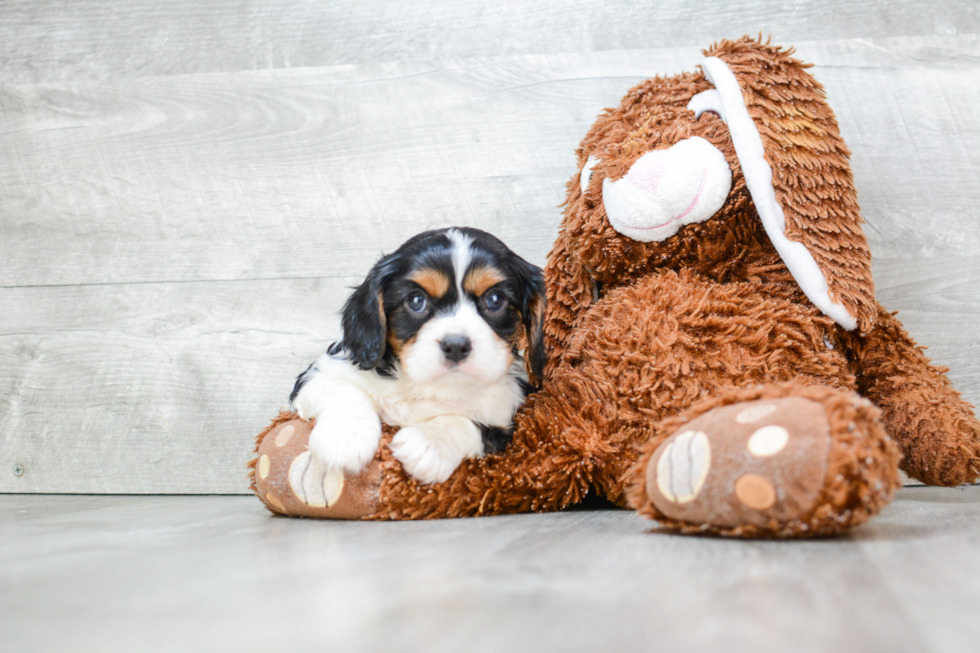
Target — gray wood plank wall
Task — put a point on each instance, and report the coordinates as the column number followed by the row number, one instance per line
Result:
column 187, row 189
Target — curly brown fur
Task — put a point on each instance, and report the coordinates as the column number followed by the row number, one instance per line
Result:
column 547, row 467
column 936, row 428
column 583, row 429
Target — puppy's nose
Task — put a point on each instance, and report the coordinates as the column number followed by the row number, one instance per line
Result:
column 455, row 348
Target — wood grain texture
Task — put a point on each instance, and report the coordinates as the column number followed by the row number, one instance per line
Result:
column 151, row 388
column 187, row 189
column 53, row 41
column 225, row 176
column 221, row 574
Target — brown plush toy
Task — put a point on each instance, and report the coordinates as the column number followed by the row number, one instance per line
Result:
column 717, row 357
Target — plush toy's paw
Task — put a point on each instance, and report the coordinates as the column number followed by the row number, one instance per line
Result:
column 939, row 435
column 290, row 481
column 346, row 440
column 786, row 466
column 432, row 451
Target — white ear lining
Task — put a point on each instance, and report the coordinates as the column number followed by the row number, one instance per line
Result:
column 586, row 175
column 709, row 100
column 758, row 179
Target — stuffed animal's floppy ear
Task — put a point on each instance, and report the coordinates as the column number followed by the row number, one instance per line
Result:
column 796, row 168
column 363, row 320
column 533, row 305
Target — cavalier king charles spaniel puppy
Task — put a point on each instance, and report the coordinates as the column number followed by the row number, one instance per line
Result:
column 430, row 344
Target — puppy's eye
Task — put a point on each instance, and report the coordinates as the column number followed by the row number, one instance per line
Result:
column 416, row 302
column 494, row 301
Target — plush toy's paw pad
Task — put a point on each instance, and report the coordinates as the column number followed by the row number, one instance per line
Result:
column 291, row 481
column 683, row 466
column 314, row 484
column 755, row 463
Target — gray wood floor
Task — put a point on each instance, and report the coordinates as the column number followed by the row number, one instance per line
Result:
column 187, row 189
column 83, row 573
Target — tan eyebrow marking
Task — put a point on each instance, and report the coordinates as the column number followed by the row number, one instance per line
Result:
column 434, row 282
column 479, row 280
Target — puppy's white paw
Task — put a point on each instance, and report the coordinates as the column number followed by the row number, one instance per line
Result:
column 305, row 404
column 346, row 439
column 314, row 394
column 432, row 451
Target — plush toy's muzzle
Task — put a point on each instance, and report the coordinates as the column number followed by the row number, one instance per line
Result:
column 667, row 189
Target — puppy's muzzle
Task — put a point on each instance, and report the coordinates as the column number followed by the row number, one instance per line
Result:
column 455, row 347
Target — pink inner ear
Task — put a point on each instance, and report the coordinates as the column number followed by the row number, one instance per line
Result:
column 647, row 172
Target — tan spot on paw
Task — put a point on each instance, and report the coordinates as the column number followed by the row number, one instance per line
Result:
column 264, row 466
column 285, row 434
column 755, row 492
column 767, row 441
column 752, row 414
column 683, row 466
column 274, row 502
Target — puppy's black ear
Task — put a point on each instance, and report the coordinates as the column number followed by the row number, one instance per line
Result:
column 363, row 319
column 533, row 306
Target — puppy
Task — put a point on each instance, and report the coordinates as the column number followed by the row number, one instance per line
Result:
column 430, row 344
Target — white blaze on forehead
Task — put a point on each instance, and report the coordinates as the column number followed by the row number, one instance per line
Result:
column 461, row 255
column 758, row 179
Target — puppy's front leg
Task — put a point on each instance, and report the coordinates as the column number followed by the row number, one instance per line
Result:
column 347, row 430
column 432, row 450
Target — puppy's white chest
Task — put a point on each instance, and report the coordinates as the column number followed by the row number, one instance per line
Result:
column 405, row 404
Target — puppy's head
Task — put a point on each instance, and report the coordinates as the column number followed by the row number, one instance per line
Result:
column 451, row 301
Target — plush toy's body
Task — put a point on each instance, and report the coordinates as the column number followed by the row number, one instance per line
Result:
column 706, row 369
